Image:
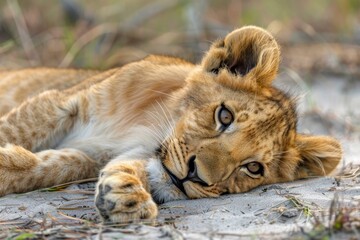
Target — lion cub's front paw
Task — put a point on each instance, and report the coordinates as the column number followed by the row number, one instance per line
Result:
column 121, row 197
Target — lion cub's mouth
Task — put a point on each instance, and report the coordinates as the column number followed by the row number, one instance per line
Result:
column 177, row 182
column 191, row 176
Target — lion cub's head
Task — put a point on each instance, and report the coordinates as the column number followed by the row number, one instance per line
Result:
column 236, row 131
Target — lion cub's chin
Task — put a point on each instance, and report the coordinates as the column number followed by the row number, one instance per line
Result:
column 162, row 188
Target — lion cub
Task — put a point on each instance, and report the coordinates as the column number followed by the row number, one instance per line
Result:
column 159, row 129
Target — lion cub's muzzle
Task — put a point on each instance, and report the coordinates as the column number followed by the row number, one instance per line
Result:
column 191, row 176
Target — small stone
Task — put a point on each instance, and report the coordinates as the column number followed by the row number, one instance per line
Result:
column 22, row 208
column 290, row 213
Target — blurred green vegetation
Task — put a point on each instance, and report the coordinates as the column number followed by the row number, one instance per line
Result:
column 109, row 33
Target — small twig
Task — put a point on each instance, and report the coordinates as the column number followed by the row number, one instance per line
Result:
column 76, row 219
column 78, row 192
column 64, row 185
column 169, row 207
column 9, row 220
column 351, row 174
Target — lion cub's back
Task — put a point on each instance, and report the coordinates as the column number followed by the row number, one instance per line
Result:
column 18, row 85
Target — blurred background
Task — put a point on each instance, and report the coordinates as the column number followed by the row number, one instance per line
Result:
column 316, row 36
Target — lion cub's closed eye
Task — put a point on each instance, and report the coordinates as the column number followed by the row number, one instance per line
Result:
column 159, row 129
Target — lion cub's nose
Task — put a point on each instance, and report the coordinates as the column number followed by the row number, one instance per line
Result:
column 192, row 174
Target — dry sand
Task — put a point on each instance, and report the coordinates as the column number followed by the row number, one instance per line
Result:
column 328, row 106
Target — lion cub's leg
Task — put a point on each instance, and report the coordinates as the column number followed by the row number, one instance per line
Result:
column 122, row 192
column 38, row 124
column 22, row 170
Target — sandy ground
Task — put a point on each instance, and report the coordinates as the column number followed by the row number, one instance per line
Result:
column 328, row 106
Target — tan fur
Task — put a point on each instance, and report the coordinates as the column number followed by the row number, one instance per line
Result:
column 158, row 114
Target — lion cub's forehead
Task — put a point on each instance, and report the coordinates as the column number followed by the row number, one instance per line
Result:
column 265, row 115
column 204, row 89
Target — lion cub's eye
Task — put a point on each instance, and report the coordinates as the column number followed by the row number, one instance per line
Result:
column 254, row 168
column 225, row 116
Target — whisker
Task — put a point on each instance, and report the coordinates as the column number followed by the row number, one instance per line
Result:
column 169, row 124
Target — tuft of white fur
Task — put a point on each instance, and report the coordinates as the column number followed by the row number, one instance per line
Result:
column 99, row 141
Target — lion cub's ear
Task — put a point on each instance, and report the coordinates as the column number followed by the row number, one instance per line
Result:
column 319, row 155
column 249, row 52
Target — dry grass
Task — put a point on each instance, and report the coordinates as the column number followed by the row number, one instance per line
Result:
column 111, row 33
column 341, row 221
